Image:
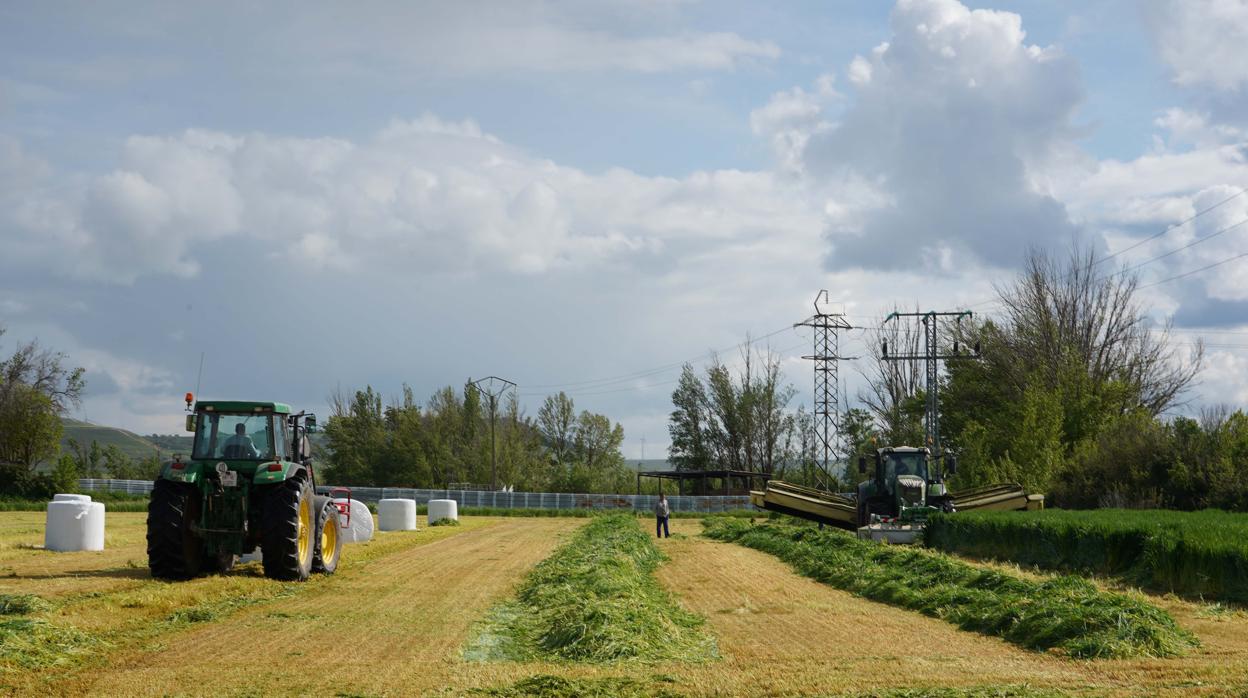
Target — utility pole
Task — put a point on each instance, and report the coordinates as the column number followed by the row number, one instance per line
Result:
column 827, row 358
column 493, row 387
column 931, row 356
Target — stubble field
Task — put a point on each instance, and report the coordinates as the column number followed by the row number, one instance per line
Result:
column 398, row 616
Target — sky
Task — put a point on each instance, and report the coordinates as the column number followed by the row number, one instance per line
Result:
column 582, row 196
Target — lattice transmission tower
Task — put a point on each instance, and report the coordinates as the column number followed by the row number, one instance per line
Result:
column 931, row 357
column 829, row 444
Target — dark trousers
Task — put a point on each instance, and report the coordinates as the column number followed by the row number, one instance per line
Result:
column 660, row 527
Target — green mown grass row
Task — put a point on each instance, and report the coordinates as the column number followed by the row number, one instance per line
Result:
column 595, row 599
column 1201, row 553
column 1066, row 614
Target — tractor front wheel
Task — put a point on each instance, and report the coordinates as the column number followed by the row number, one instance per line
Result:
column 328, row 537
column 288, row 529
column 173, row 549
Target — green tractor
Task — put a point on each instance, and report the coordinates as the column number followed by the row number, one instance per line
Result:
column 248, row 484
column 905, row 486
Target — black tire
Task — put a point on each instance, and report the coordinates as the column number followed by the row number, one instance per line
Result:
column 327, row 539
column 173, row 549
column 281, row 532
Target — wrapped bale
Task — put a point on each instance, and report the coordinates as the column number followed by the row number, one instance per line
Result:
column 74, row 525
column 360, row 527
column 396, row 515
column 443, row 509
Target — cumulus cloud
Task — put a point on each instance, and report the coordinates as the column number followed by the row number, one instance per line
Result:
column 1195, row 169
column 950, row 128
column 1203, row 41
column 791, row 117
column 425, row 194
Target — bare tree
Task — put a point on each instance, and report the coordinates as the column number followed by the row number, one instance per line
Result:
column 893, row 388
column 1056, row 317
column 43, row 370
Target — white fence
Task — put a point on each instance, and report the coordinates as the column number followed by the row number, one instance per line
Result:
column 499, row 500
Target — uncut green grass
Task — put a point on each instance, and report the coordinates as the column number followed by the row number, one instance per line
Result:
column 595, row 600
column 1064, row 614
column 1198, row 554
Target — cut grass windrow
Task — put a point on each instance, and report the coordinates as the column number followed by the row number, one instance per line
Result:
column 1068, row 615
column 595, row 600
column 550, row 686
column 1201, row 553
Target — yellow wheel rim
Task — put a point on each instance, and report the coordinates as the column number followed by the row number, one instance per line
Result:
column 305, row 530
column 329, row 538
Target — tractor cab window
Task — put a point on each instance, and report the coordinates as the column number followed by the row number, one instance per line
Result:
column 246, row 436
column 904, row 464
column 281, row 437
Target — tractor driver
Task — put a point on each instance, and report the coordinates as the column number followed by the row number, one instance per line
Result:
column 240, row 445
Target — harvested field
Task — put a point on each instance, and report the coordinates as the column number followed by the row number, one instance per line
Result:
column 1065, row 614
column 396, row 618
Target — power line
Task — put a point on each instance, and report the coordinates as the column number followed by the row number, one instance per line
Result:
column 1193, row 243
column 1172, row 226
column 1196, row 271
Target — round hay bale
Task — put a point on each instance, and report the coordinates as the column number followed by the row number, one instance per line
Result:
column 71, row 497
column 443, row 509
column 360, row 529
column 396, row 515
column 74, row 525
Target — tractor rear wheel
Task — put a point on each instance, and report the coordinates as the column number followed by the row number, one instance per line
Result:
column 173, row 549
column 328, row 537
column 288, row 527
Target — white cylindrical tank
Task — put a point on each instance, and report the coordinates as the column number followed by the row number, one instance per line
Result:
column 74, row 526
column 71, row 497
column 396, row 515
column 443, row 509
column 360, row 529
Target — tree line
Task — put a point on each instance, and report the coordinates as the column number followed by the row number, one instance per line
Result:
column 448, row 441
column 1076, row 393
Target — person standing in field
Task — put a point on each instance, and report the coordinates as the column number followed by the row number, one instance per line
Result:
column 661, row 512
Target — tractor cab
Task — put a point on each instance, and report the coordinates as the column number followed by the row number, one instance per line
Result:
column 894, row 463
column 905, row 485
column 251, row 436
column 248, row 485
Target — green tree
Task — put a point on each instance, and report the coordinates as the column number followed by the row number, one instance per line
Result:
column 691, row 424
column 30, row 430
column 735, row 422
column 65, row 474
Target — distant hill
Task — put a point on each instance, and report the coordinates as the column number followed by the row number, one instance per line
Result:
column 129, row 443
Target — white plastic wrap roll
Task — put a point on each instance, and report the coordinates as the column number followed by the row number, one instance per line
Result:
column 253, row 556
column 443, row 509
column 360, row 529
column 396, row 515
column 71, row 497
column 74, row 526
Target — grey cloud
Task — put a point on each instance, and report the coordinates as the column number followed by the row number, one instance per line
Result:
column 947, row 122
